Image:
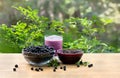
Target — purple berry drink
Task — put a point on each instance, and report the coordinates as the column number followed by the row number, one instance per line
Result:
column 54, row 41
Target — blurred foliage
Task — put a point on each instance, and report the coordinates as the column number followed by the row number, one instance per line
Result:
column 62, row 9
column 86, row 31
column 25, row 33
column 32, row 30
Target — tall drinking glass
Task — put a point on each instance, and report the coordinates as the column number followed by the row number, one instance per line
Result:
column 54, row 41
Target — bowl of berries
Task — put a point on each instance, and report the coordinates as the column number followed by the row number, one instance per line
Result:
column 38, row 55
column 69, row 56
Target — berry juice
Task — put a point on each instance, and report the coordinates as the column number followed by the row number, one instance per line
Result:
column 54, row 41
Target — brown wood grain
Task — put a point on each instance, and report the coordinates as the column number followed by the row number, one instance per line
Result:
column 106, row 65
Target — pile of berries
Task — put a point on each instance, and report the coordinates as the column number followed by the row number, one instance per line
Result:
column 38, row 50
column 71, row 51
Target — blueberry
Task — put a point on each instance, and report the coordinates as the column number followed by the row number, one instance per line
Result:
column 14, row 69
column 55, row 67
column 36, row 69
column 90, row 65
column 16, row 66
column 64, row 68
column 54, row 70
column 45, row 46
column 51, row 53
column 60, row 67
column 32, row 68
column 39, row 49
column 51, row 48
column 41, row 69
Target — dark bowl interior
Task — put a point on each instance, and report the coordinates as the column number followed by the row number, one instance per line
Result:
column 69, row 56
column 37, row 59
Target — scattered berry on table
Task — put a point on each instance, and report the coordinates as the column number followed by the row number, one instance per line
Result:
column 32, row 68
column 16, row 66
column 61, row 67
column 54, row 70
column 90, row 65
column 14, row 69
column 64, row 68
column 55, row 67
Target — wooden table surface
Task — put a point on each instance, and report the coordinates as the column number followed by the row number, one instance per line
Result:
column 105, row 66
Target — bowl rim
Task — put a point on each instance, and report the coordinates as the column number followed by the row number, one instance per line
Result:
column 27, row 54
column 79, row 53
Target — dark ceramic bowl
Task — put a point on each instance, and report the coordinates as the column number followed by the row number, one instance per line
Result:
column 69, row 56
column 37, row 59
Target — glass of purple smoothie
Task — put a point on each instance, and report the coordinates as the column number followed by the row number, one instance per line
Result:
column 54, row 41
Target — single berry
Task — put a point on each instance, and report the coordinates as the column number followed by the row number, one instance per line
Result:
column 60, row 67
column 14, row 69
column 32, row 68
column 16, row 66
column 54, row 70
column 55, row 67
column 90, row 65
column 64, row 68
column 39, row 68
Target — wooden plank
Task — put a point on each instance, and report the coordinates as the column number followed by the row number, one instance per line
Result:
column 105, row 66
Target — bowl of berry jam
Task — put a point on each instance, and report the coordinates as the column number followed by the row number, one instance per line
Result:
column 38, row 55
column 69, row 56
